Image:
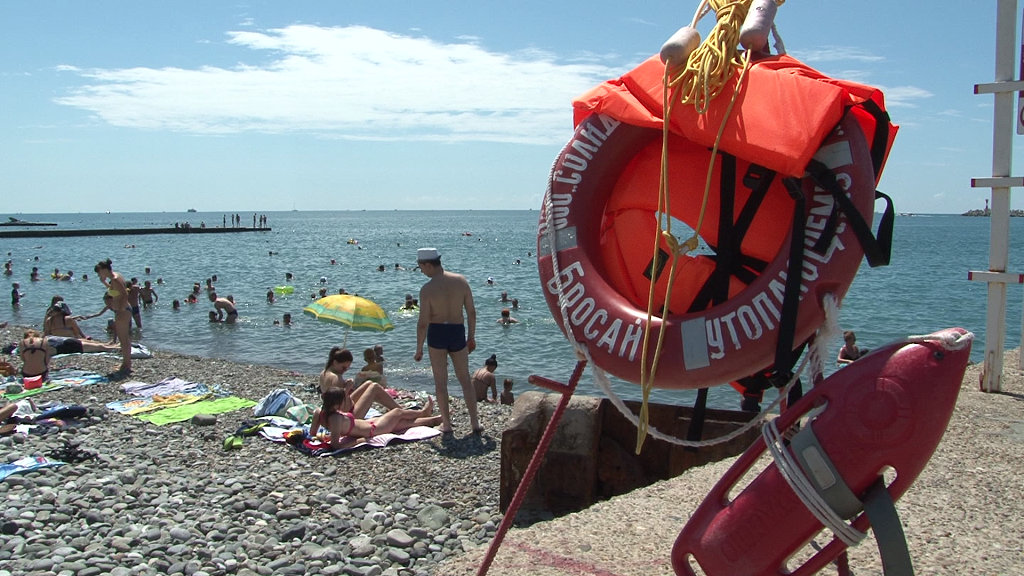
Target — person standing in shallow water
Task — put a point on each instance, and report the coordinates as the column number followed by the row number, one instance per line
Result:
column 446, row 332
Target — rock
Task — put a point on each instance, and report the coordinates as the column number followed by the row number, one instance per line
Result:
column 204, row 420
column 296, row 531
column 433, row 517
column 399, row 538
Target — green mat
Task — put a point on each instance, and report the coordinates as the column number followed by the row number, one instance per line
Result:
column 27, row 393
column 182, row 413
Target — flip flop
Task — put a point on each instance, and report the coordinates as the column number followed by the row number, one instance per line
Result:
column 233, row 442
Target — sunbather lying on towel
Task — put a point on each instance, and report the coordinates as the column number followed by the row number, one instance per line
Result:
column 36, row 351
column 345, row 430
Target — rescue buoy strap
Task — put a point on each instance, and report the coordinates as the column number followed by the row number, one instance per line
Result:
column 877, row 250
column 729, row 258
column 784, row 359
column 885, row 521
column 880, row 140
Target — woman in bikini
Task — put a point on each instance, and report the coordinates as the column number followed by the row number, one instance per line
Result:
column 344, row 429
column 36, row 351
column 118, row 292
column 360, row 397
column 59, row 322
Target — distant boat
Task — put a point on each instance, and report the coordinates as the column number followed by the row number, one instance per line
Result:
column 15, row 222
column 191, row 209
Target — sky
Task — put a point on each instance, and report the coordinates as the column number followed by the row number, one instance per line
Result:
column 263, row 106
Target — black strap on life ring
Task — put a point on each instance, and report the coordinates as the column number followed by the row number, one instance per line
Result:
column 729, row 259
column 877, row 249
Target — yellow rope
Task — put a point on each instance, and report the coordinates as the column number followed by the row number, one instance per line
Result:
column 707, row 71
column 716, row 60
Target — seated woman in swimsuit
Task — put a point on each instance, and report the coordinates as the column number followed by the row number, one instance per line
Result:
column 36, row 351
column 360, row 397
column 344, row 429
column 35, row 356
column 59, row 322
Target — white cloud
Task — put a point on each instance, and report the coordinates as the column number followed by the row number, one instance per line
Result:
column 641, row 21
column 904, row 96
column 353, row 83
column 836, row 54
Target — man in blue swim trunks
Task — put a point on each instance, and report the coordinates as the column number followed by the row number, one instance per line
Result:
column 441, row 325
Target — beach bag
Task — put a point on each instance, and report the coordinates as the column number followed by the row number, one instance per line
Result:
column 303, row 413
column 276, row 403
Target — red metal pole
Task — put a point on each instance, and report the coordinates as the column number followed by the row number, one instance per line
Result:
column 538, row 457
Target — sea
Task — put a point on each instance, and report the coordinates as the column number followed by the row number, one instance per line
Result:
column 924, row 289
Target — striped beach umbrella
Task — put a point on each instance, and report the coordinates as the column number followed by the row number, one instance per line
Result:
column 357, row 313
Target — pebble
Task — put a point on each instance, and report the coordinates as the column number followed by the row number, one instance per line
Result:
column 170, row 500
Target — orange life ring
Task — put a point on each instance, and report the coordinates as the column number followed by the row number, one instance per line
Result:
column 603, row 195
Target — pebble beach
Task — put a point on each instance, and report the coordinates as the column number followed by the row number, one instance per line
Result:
column 171, row 500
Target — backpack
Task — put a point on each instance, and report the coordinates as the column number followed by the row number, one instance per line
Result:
column 276, row 403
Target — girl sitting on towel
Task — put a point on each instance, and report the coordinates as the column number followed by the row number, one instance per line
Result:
column 362, row 393
column 345, row 430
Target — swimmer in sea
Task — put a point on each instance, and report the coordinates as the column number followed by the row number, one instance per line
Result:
column 398, row 266
column 176, row 304
column 506, row 318
column 515, row 304
column 270, row 296
column 286, row 319
column 224, row 308
column 148, row 295
column 214, row 318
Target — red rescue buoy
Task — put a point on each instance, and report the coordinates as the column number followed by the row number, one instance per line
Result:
column 603, row 195
column 888, row 409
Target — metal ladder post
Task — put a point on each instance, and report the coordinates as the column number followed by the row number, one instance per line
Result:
column 1000, row 183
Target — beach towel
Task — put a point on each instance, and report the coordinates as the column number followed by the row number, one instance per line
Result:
column 164, row 387
column 320, row 449
column 27, row 464
column 186, row 412
column 72, row 378
column 133, row 406
column 62, row 378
